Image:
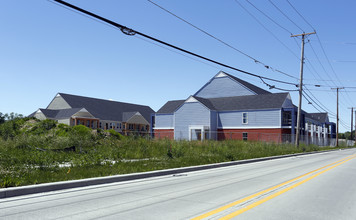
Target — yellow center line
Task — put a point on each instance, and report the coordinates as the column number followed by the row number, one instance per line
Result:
column 238, row 212
column 213, row 212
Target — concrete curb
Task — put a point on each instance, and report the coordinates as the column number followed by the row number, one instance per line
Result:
column 47, row 187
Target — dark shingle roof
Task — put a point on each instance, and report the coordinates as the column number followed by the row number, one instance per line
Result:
column 66, row 113
column 127, row 115
column 60, row 113
column 254, row 88
column 321, row 117
column 170, row 107
column 235, row 103
column 49, row 113
column 251, row 102
column 106, row 109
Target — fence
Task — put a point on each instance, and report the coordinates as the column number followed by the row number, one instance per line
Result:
column 248, row 136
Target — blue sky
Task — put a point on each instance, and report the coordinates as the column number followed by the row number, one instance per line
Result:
column 46, row 48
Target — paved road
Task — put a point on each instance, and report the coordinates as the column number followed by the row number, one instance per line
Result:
column 320, row 186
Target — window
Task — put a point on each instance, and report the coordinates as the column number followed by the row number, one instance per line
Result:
column 287, row 118
column 88, row 123
column 244, row 136
column 78, row 122
column 244, row 118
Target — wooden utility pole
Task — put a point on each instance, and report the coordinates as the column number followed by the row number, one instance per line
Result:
column 352, row 114
column 337, row 114
column 300, row 87
column 352, row 127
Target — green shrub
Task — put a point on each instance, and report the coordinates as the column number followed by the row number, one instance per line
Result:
column 115, row 134
column 63, row 130
column 43, row 127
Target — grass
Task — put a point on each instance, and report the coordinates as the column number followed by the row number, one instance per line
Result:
column 36, row 152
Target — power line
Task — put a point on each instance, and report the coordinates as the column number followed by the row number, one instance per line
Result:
column 221, row 41
column 270, row 18
column 317, row 102
column 285, row 15
column 254, row 17
column 131, row 32
column 300, row 15
column 332, row 68
column 320, row 46
column 311, row 103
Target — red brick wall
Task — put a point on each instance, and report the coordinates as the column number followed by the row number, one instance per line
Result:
column 164, row 133
column 270, row 135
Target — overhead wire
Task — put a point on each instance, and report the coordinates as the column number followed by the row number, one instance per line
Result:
column 317, row 102
column 269, row 18
column 300, row 15
column 311, row 103
column 322, row 47
column 131, row 32
column 332, row 68
column 255, row 18
column 221, row 41
column 321, row 106
column 285, row 15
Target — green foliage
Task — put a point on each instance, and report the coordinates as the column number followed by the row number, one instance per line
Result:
column 44, row 151
column 63, row 130
column 43, row 127
column 2, row 118
column 11, row 128
column 115, row 134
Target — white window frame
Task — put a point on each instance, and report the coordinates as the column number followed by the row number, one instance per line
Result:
column 243, row 113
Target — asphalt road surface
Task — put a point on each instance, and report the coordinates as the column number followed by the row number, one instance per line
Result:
column 318, row 186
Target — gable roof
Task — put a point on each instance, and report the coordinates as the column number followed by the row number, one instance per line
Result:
column 60, row 113
column 106, row 109
column 49, row 113
column 170, row 107
column 127, row 115
column 254, row 88
column 251, row 102
column 235, row 103
column 321, row 117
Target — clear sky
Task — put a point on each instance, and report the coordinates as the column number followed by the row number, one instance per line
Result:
column 46, row 48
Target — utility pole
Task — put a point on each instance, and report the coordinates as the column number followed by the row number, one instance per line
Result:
column 300, row 87
column 337, row 114
column 352, row 127
column 352, row 114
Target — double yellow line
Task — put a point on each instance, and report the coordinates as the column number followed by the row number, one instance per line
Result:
column 244, row 209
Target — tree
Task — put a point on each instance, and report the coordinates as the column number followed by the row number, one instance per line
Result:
column 2, row 118
column 9, row 117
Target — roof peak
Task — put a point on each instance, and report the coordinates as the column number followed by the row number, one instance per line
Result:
column 108, row 100
column 253, row 88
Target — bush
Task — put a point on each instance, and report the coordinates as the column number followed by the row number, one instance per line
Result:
column 63, row 130
column 42, row 127
column 115, row 134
